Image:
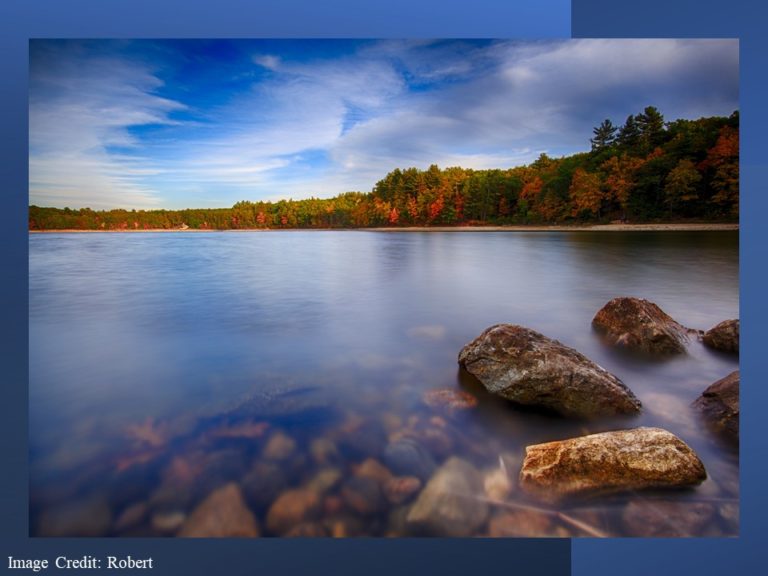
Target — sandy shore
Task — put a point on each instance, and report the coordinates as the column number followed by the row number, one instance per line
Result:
column 594, row 228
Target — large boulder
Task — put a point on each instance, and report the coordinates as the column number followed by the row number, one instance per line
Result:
column 528, row 368
column 724, row 336
column 449, row 504
column 719, row 404
column 641, row 325
column 610, row 462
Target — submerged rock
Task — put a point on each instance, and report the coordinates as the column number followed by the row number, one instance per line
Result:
column 284, row 403
column 497, row 484
column 307, row 530
column 325, row 480
column 263, row 484
column 279, row 447
column 522, row 524
column 610, row 462
column 223, row 514
column 131, row 516
column 324, row 451
column 724, row 336
column 400, row 489
column 449, row 504
column 360, row 438
column 168, row 521
column 363, row 495
column 90, row 516
column 372, row 468
column 407, row 457
column 719, row 404
column 293, row 507
column 528, row 368
column 641, row 325
column 449, row 400
column 660, row 519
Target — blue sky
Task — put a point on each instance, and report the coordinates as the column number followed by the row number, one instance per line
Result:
column 192, row 123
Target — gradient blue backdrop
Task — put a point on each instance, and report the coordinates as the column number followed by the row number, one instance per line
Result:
column 24, row 19
column 743, row 19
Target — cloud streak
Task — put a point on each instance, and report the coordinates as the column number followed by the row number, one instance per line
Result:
column 111, row 125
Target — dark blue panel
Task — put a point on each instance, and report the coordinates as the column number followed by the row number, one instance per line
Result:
column 743, row 19
column 24, row 19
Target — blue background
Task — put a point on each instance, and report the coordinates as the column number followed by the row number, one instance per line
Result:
column 24, row 19
column 743, row 19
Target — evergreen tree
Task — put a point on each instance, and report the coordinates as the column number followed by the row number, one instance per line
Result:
column 651, row 126
column 629, row 134
column 605, row 134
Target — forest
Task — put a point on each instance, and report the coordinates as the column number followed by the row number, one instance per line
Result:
column 644, row 170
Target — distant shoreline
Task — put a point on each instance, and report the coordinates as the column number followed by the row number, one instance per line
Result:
column 682, row 227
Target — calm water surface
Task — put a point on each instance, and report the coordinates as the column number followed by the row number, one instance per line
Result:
column 165, row 365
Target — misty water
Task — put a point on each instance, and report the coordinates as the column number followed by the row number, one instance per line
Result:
column 166, row 365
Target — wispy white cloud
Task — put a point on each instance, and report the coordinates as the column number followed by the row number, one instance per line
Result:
column 81, row 108
column 322, row 123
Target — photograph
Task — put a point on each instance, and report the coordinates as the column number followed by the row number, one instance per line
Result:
column 388, row 288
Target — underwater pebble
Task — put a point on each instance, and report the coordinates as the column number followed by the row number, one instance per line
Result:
column 293, row 507
column 279, row 447
column 223, row 514
column 168, row 522
column 497, row 484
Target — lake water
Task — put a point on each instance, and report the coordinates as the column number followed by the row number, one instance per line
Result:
column 163, row 366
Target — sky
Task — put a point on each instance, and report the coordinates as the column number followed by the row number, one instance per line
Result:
column 149, row 124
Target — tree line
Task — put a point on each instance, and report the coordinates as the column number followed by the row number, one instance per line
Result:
column 646, row 169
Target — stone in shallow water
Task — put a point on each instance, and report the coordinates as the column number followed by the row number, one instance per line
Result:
column 724, row 336
column 90, row 516
column 168, row 521
column 528, row 368
column 521, row 524
column 449, row 400
column 293, row 507
column 372, row 468
column 223, row 514
column 363, row 495
column 131, row 516
column 279, row 447
column 325, row 480
column 497, row 484
column 610, row 462
column 407, row 457
column 719, row 404
column 641, row 325
column 263, row 484
column 307, row 530
column 361, row 437
column 400, row 489
column 664, row 519
column 324, row 451
column 452, row 503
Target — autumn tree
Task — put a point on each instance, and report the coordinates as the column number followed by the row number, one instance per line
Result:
column 620, row 179
column 585, row 194
column 680, row 186
column 723, row 159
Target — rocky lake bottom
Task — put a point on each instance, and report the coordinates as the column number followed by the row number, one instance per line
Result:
column 334, row 405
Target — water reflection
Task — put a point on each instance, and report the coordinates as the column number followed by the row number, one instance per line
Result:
column 163, row 367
